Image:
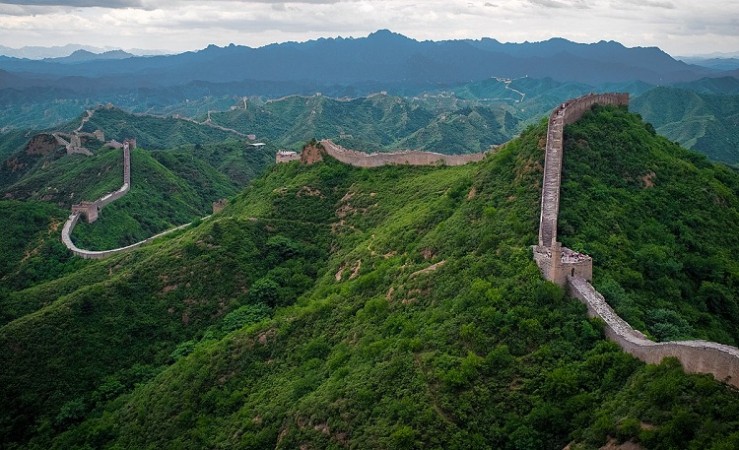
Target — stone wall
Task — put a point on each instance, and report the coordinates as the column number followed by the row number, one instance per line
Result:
column 86, row 207
column 91, row 209
column 565, row 114
column 94, row 254
column 285, row 157
column 722, row 361
column 574, row 270
column 413, row 158
column 219, row 205
column 571, row 263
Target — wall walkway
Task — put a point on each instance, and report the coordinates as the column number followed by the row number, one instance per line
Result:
column 722, row 361
column 93, row 207
column 413, row 158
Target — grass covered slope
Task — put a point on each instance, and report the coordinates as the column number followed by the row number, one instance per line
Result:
column 660, row 223
column 31, row 248
column 332, row 307
column 151, row 131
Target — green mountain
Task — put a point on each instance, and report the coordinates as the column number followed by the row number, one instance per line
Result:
column 376, row 123
column 153, row 132
column 399, row 307
column 706, row 123
column 171, row 185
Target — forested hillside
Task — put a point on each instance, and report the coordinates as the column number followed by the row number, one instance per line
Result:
column 657, row 220
column 399, row 307
column 376, row 123
column 171, row 185
column 705, row 122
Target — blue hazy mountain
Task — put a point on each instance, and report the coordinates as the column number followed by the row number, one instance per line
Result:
column 381, row 57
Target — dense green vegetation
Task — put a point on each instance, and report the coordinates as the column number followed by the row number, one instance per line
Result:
column 163, row 194
column 705, row 122
column 658, row 221
column 153, row 132
column 63, row 179
column 32, row 253
column 398, row 307
column 379, row 122
column 461, row 118
column 169, row 187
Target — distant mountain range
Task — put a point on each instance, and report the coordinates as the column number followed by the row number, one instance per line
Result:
column 382, row 57
column 82, row 55
column 61, row 51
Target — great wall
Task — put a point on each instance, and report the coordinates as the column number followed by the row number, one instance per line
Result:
column 355, row 158
column 91, row 210
column 567, row 268
column 574, row 270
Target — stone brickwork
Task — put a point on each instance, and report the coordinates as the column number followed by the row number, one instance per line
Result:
column 574, row 270
column 87, row 208
column 219, row 204
column 571, row 263
column 313, row 154
column 413, row 158
column 565, row 114
column 722, row 361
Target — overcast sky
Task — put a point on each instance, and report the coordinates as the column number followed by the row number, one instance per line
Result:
column 680, row 27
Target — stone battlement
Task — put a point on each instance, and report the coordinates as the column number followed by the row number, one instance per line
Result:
column 412, row 158
column 284, row 156
column 565, row 263
column 360, row 159
column 574, row 270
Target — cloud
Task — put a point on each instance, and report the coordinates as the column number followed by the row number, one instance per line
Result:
column 78, row 3
column 678, row 26
column 563, row 4
column 650, row 3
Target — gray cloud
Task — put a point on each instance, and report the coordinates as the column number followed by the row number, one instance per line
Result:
column 561, row 4
column 681, row 26
column 651, row 3
column 77, row 3
column 141, row 4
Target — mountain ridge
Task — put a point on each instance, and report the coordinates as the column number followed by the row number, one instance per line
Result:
column 483, row 58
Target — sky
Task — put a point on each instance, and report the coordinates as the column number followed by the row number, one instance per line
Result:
column 680, row 27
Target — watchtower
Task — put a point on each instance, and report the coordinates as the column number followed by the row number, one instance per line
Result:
column 87, row 209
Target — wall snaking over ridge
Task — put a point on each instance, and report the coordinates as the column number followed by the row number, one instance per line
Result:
column 413, row 158
column 90, row 209
column 565, row 114
column 696, row 356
